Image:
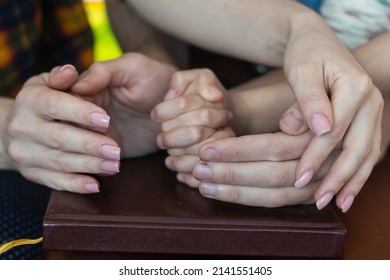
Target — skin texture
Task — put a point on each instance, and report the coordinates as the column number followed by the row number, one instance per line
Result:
column 83, row 135
column 230, row 168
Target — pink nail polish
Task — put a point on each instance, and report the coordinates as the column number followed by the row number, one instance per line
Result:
column 304, row 179
column 91, row 188
column 324, row 200
column 110, row 166
column 66, row 67
column 99, row 120
column 110, row 152
column 320, row 124
column 347, row 203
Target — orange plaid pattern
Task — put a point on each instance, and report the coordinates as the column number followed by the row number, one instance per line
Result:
column 36, row 35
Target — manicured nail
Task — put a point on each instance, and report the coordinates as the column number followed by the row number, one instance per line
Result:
column 320, row 124
column 202, row 172
column 347, row 203
column 294, row 120
column 110, row 166
column 67, row 67
column 304, row 179
column 99, row 119
column 110, row 152
column 208, row 190
column 324, row 200
column 171, row 94
column 209, row 154
column 91, row 188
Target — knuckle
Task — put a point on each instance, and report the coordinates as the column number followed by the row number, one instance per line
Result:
column 205, row 116
column 234, row 195
column 278, row 150
column 56, row 138
column 228, row 176
column 278, row 177
column 196, row 133
column 279, row 199
column 14, row 152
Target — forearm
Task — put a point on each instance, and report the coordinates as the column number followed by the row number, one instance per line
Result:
column 253, row 30
column 259, row 104
column 134, row 34
column 5, row 107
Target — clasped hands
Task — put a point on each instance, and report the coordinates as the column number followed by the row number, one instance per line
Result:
column 107, row 117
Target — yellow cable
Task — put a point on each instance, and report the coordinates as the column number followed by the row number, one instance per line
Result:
column 9, row 245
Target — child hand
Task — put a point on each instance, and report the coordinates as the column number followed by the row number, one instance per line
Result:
column 192, row 114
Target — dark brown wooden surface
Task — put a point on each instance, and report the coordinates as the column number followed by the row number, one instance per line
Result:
column 145, row 210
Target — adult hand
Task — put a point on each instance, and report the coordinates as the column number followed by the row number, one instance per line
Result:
column 128, row 88
column 52, row 137
column 257, row 170
column 339, row 103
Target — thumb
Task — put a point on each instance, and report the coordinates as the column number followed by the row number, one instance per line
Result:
column 210, row 88
column 292, row 121
column 63, row 77
column 314, row 103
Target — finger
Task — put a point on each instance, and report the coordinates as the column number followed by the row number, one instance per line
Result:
column 173, row 108
column 266, row 174
column 255, row 196
column 56, row 105
column 209, row 87
column 68, row 138
column 183, row 136
column 206, row 84
column 312, row 97
column 320, row 147
column 188, row 179
column 273, row 147
column 43, row 157
column 292, row 121
column 63, row 77
column 361, row 149
column 226, row 132
column 209, row 117
column 77, row 183
column 181, row 164
column 351, row 189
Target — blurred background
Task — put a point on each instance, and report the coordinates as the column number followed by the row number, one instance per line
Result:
column 106, row 46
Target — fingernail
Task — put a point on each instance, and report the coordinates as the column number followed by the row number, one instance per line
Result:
column 160, row 142
column 99, row 119
column 304, row 179
column 208, row 190
column 110, row 166
column 202, row 172
column 347, row 203
column 110, row 152
column 324, row 200
column 209, row 154
column 67, row 67
column 171, row 94
column 294, row 120
column 169, row 163
column 320, row 124
column 91, row 188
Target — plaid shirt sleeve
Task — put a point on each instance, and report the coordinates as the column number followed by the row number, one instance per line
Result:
column 37, row 35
